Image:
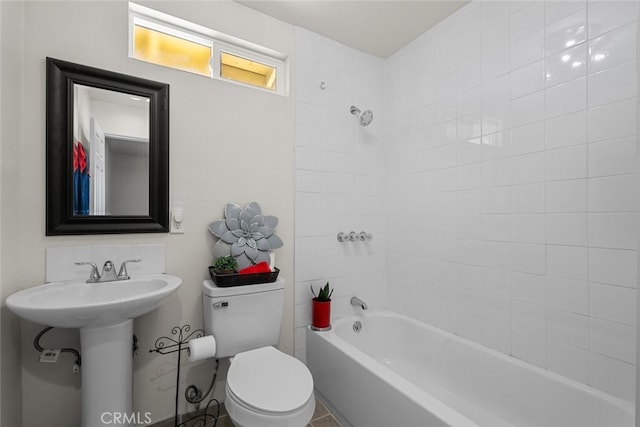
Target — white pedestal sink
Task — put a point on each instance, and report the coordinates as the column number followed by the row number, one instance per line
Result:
column 104, row 312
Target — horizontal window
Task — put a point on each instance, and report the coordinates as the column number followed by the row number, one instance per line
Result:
column 175, row 43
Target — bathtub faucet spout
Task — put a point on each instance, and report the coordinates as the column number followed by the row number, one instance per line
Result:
column 358, row 303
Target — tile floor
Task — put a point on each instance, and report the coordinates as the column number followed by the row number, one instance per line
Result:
column 321, row 418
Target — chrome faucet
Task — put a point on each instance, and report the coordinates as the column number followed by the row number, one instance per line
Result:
column 355, row 301
column 108, row 271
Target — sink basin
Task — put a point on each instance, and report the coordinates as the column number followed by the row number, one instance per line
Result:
column 77, row 304
column 104, row 312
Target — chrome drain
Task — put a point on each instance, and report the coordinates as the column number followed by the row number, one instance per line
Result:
column 357, row 325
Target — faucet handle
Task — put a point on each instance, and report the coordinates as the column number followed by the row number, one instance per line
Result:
column 94, row 276
column 122, row 273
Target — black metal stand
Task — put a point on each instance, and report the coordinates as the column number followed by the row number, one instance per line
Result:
column 167, row 345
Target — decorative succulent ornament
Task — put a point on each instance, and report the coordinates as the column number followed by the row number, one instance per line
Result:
column 245, row 234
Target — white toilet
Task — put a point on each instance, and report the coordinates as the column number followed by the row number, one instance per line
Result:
column 265, row 387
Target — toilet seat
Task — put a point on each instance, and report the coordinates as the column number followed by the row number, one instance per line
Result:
column 269, row 381
column 267, row 388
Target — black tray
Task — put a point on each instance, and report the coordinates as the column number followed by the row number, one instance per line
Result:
column 235, row 279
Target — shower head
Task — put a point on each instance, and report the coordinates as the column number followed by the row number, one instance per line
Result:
column 366, row 117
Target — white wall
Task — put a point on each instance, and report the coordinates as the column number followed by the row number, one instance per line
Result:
column 517, row 157
column 11, row 56
column 212, row 125
column 340, row 176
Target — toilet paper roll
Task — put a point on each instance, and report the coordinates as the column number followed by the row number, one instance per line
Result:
column 202, row 348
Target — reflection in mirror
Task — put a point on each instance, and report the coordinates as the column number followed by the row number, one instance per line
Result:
column 110, row 152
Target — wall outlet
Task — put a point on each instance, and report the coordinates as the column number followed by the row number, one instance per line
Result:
column 177, row 218
column 50, row 355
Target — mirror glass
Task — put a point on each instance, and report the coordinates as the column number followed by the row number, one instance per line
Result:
column 110, row 152
column 107, row 151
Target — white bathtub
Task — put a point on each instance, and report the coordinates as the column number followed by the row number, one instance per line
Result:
column 400, row 372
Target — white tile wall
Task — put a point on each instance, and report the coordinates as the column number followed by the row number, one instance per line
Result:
column 341, row 175
column 507, row 135
column 554, row 106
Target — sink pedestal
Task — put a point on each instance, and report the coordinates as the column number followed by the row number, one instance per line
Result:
column 107, row 375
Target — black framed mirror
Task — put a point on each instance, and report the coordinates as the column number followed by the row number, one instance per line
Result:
column 107, row 152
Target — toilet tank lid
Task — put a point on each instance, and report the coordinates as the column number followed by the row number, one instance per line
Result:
column 211, row 290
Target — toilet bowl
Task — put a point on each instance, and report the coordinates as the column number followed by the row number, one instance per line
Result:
column 268, row 388
column 265, row 387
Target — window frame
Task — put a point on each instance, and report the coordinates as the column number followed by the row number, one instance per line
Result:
column 219, row 42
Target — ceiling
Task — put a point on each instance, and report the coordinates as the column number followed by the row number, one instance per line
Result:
column 378, row 27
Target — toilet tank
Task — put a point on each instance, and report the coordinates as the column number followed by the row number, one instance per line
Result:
column 243, row 318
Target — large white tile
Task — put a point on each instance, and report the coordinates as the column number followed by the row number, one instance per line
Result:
column 566, row 98
column 528, row 318
column 527, row 168
column 495, row 118
column 612, row 157
column 496, row 227
column 496, row 173
column 607, row 15
column 496, row 145
column 613, row 84
column 527, row 20
column 566, row 196
column 566, row 163
column 496, row 200
column 568, row 328
column 528, row 198
column 565, row 130
column 613, row 48
column 528, row 258
column 568, row 294
column 469, row 126
column 569, row 361
column 613, row 303
column 527, row 49
column 528, row 109
column 495, row 36
column 469, row 101
column 528, row 347
column 493, row 13
column 569, row 262
column 495, row 64
column 613, row 194
column 528, row 228
column 528, row 138
column 613, row 376
column 556, row 10
column 496, row 91
column 613, row 230
column 613, row 266
column 469, row 177
column 565, row 32
column 528, row 79
column 496, row 254
column 567, row 229
column 613, row 339
column 611, row 121
column 497, row 282
column 528, row 287
column 566, row 65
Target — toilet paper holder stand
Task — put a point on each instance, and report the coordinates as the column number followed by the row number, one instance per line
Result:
column 168, row 345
